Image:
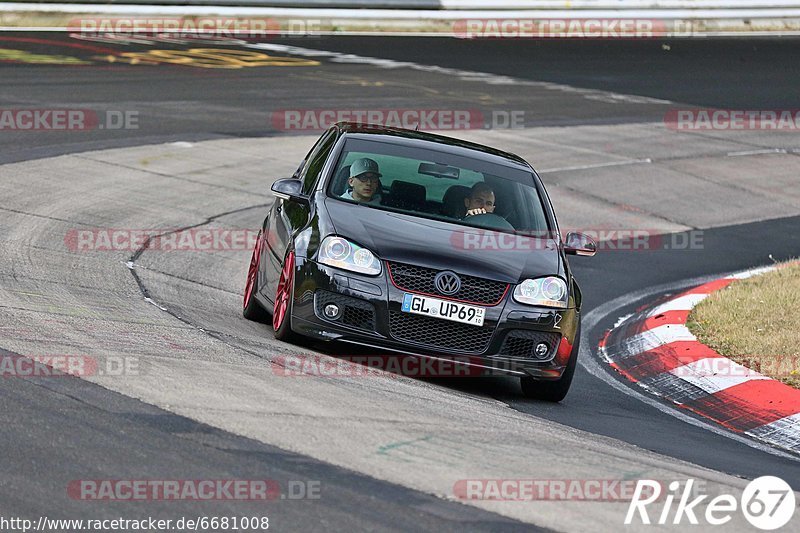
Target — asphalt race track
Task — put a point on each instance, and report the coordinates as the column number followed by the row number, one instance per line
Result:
column 728, row 73
column 208, row 403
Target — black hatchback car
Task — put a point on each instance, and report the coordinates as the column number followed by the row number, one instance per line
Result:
column 426, row 245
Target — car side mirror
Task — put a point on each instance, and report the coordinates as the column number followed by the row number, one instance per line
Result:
column 578, row 243
column 290, row 189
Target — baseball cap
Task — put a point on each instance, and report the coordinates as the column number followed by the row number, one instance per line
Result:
column 363, row 165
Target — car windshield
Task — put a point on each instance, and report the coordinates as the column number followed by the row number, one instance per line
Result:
column 439, row 185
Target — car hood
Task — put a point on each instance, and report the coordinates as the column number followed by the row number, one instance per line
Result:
column 445, row 246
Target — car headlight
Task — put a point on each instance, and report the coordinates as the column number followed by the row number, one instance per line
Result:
column 341, row 253
column 550, row 291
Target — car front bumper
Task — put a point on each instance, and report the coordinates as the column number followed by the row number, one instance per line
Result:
column 371, row 317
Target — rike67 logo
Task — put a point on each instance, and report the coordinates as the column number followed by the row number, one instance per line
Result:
column 767, row 503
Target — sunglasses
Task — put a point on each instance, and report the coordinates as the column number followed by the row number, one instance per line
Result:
column 364, row 178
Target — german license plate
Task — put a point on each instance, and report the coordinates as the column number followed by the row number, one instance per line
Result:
column 455, row 311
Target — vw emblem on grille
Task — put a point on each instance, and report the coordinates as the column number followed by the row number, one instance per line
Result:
column 447, row 283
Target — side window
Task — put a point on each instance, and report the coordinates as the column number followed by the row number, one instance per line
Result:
column 316, row 160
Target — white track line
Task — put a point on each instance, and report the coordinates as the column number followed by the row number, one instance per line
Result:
column 751, row 273
column 683, row 303
column 463, row 75
column 598, row 165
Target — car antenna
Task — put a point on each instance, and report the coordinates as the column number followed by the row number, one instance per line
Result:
column 417, row 127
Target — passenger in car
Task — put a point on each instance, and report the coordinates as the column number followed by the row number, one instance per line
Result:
column 364, row 181
column 480, row 200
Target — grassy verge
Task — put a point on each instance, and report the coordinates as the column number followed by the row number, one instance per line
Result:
column 755, row 322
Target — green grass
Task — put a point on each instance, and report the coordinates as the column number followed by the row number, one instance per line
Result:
column 755, row 322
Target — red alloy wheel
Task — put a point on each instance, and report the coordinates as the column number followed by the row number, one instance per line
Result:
column 284, row 292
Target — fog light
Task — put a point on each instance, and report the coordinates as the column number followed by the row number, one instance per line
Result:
column 331, row 311
column 541, row 350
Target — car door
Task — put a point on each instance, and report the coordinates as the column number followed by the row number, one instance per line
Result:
column 288, row 217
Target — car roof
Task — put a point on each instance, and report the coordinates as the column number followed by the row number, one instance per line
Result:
column 421, row 138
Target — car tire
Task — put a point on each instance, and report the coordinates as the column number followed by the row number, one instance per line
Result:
column 251, row 309
column 556, row 390
column 284, row 297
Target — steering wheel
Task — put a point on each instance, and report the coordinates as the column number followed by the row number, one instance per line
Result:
column 490, row 221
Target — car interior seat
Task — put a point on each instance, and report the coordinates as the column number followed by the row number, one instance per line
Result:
column 453, row 201
column 340, row 183
column 406, row 195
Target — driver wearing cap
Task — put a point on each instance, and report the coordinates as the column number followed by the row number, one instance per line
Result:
column 364, row 181
column 480, row 200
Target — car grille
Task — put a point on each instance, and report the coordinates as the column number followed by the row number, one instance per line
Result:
column 356, row 313
column 420, row 279
column 438, row 333
column 522, row 342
